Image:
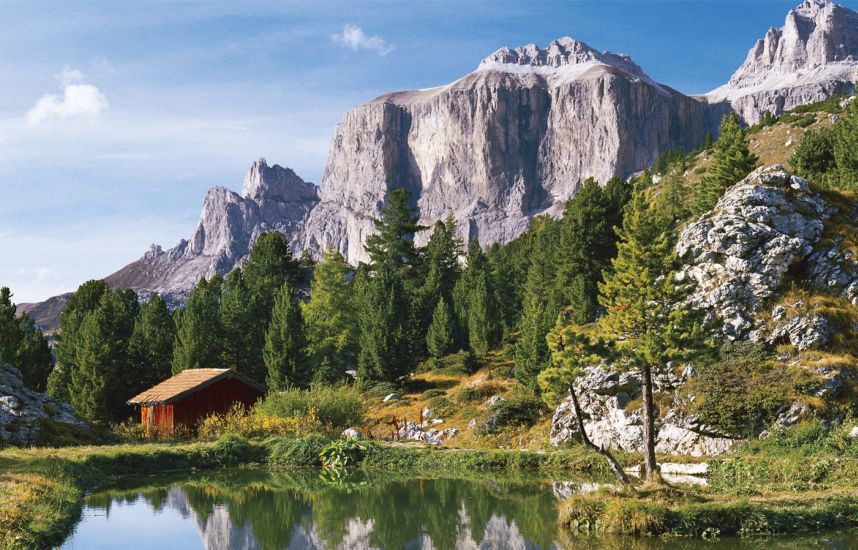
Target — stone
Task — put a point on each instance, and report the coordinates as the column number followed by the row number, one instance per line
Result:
column 494, row 400
column 392, row 397
column 813, row 56
column 803, row 331
column 350, row 433
column 738, row 254
column 618, row 428
column 472, row 424
column 853, row 433
column 23, row 411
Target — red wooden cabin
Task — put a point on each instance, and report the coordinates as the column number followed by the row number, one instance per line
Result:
column 181, row 402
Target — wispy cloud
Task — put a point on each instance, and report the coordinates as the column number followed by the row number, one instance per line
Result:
column 78, row 100
column 354, row 38
column 70, row 76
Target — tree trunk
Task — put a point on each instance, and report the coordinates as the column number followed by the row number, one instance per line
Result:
column 650, row 466
column 612, row 463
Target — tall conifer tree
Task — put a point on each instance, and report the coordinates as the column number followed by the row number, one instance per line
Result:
column 199, row 335
column 285, row 350
column 331, row 319
column 731, row 161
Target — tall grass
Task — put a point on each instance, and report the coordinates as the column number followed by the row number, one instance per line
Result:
column 336, row 408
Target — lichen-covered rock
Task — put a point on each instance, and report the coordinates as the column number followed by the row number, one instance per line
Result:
column 23, row 411
column 803, row 331
column 738, row 253
column 603, row 396
column 834, row 270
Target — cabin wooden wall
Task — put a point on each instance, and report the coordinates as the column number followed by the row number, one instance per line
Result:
column 157, row 417
column 214, row 398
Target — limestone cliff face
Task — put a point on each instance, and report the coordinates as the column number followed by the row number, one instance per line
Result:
column 814, row 55
column 273, row 198
column 511, row 140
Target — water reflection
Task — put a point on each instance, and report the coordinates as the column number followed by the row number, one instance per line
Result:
column 250, row 509
column 299, row 510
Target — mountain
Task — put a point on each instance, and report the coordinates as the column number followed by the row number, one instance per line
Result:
column 513, row 139
column 272, row 198
column 814, row 55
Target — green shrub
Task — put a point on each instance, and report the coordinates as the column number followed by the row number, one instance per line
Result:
column 441, row 406
column 459, row 363
column 814, row 157
column 742, row 390
column 517, row 410
column 335, row 407
column 434, row 392
column 232, row 449
column 342, row 453
column 477, row 393
column 301, row 451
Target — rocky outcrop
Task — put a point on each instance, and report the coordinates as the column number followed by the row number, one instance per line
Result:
column 511, row 140
column 738, row 254
column 814, row 55
column 273, row 199
column 24, row 412
column 614, row 421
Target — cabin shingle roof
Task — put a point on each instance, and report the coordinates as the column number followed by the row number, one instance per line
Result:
column 185, row 383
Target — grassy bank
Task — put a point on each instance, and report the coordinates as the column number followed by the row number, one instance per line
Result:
column 699, row 514
column 41, row 489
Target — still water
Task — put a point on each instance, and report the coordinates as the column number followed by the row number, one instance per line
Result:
column 250, row 509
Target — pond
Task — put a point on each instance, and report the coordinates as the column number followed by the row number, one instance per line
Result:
column 252, row 509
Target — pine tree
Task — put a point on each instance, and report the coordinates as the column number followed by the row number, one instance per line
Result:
column 439, row 338
column 541, row 304
column 385, row 354
column 647, row 319
column 100, row 381
column 393, row 244
column 269, row 266
column 10, row 328
column 84, row 301
column 483, row 330
column 586, row 245
column 150, row 348
column 94, row 368
column 285, row 351
column 33, row 356
column 243, row 331
column 846, row 148
column 731, row 161
column 572, row 351
column 331, row 319
column 199, row 335
column 671, row 200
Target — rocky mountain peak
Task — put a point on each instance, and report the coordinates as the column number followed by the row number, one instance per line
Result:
column 563, row 55
column 812, row 56
column 275, row 183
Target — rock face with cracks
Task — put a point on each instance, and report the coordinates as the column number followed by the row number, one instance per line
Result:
column 738, row 254
column 23, row 411
column 605, row 398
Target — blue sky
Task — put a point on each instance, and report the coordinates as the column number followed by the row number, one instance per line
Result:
column 116, row 117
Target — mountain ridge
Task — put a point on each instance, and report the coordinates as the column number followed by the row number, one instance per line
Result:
column 511, row 140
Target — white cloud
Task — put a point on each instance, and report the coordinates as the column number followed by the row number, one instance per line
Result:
column 69, row 75
column 354, row 38
column 78, row 100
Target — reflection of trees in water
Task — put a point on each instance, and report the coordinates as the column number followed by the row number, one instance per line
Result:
column 279, row 506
